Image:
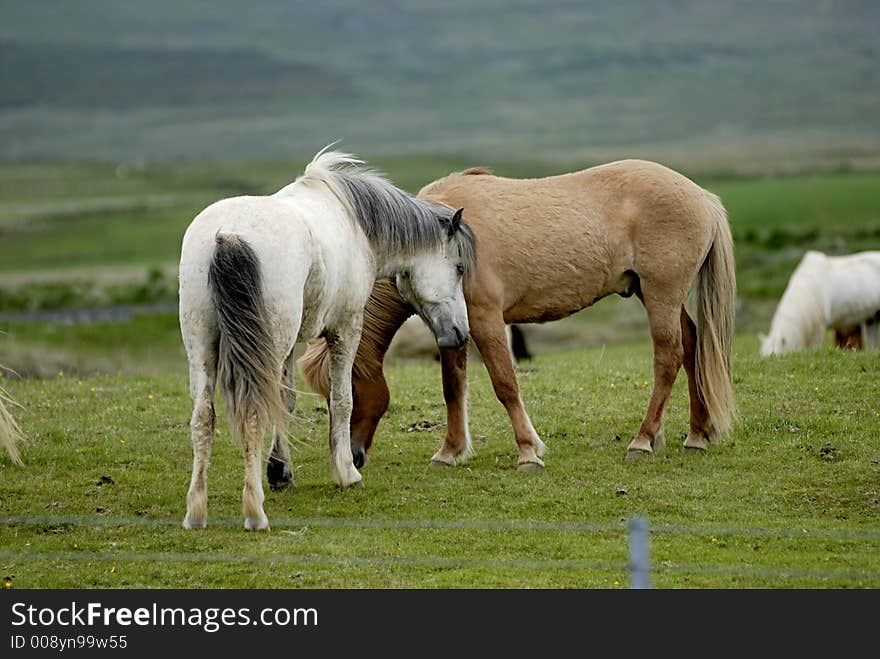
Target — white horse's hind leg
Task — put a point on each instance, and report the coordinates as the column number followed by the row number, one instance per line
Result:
column 343, row 344
column 203, row 370
column 278, row 469
column 252, row 495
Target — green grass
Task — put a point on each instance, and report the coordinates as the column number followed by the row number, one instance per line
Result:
column 790, row 500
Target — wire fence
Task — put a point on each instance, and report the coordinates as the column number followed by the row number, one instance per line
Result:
column 637, row 530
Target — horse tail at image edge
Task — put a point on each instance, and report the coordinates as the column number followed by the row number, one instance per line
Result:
column 248, row 372
column 10, row 433
column 716, row 308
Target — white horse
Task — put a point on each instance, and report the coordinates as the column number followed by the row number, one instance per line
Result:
column 824, row 292
column 259, row 273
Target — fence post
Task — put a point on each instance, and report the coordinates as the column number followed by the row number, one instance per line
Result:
column 639, row 559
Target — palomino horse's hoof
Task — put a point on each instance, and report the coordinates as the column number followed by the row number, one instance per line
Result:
column 530, row 466
column 636, row 454
column 440, row 463
column 696, row 444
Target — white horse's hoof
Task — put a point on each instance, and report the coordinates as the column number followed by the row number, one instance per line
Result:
column 351, row 482
column 256, row 524
column 441, row 463
column 194, row 523
column 348, row 477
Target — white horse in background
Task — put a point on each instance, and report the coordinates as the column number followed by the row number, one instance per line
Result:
column 825, row 292
column 260, row 273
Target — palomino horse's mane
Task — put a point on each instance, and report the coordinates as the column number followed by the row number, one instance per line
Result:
column 384, row 313
column 393, row 220
column 449, row 179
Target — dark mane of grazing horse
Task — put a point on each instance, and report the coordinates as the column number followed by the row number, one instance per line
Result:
column 393, row 220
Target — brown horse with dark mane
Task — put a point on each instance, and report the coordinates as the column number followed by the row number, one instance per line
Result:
column 549, row 247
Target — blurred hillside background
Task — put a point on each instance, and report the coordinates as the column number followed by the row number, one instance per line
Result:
column 119, row 121
column 728, row 81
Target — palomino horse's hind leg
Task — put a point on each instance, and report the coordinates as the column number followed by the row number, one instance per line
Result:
column 278, row 468
column 488, row 332
column 668, row 357
column 457, row 445
column 202, row 376
column 698, row 435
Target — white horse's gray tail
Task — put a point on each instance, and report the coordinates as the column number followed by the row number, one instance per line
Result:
column 248, row 372
column 716, row 300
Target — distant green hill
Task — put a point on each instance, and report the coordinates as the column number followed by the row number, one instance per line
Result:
column 718, row 82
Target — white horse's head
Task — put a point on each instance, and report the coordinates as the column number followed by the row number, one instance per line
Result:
column 774, row 344
column 432, row 283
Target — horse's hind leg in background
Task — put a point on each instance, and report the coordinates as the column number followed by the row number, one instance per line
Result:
column 700, row 430
column 278, row 468
column 869, row 332
column 666, row 335
column 488, row 331
column 457, row 444
column 202, row 356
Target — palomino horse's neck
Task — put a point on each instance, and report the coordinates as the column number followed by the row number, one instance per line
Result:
column 384, row 313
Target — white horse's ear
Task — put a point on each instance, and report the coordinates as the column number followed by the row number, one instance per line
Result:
column 455, row 223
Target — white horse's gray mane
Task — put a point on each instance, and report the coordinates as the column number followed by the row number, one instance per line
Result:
column 393, row 220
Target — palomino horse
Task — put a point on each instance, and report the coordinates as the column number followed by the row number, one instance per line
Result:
column 259, row 273
column 549, row 247
column 837, row 292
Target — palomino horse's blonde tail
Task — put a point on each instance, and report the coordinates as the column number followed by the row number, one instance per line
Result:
column 716, row 300
column 248, row 372
column 315, row 367
column 9, row 430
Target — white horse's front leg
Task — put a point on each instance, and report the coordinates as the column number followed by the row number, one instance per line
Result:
column 343, row 347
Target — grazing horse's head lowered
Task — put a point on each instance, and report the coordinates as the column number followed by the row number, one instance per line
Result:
column 434, row 289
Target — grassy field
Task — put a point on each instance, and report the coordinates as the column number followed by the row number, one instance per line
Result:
column 790, row 500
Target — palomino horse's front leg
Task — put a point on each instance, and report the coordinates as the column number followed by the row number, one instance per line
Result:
column 202, row 370
column 342, row 344
column 278, row 468
column 457, row 445
column 488, row 332
column 668, row 357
